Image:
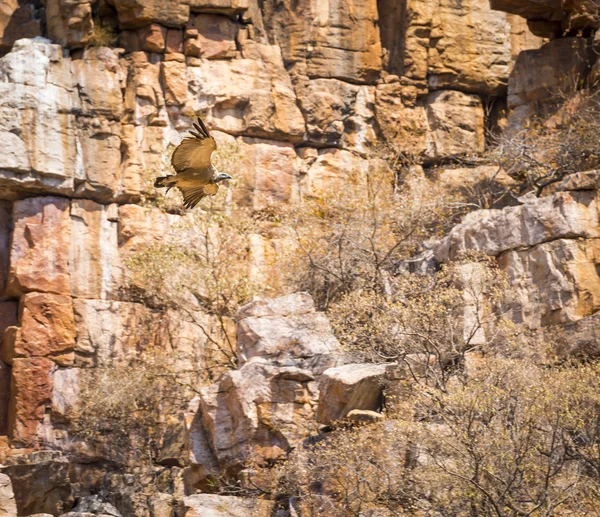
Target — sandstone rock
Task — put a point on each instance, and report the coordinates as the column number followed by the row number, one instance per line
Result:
column 134, row 14
column 364, row 416
column 31, row 390
column 65, row 395
column 456, row 121
column 47, row 328
column 8, row 506
column 268, row 173
column 348, row 387
column 96, row 506
column 95, row 266
column 331, row 171
column 254, row 97
column 580, row 339
column 69, row 22
column 210, row 505
column 219, row 6
column 259, row 411
column 40, row 482
column 153, row 38
column 563, row 215
column 527, row 7
column 470, row 48
column 403, row 123
column 39, row 258
column 144, row 99
column 322, row 40
column 174, row 74
column 336, row 111
column 16, row 22
column 556, row 68
column 588, row 180
column 288, row 327
column 98, row 76
column 215, row 39
column 553, row 282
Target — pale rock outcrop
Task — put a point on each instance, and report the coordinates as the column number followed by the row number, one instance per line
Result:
column 8, row 505
column 210, row 505
column 264, row 107
column 350, row 387
column 554, row 282
column 568, row 215
column 267, row 173
column 287, row 327
column 40, row 482
column 267, row 406
column 456, row 122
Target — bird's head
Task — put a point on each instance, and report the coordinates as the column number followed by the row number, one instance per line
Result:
column 222, row 176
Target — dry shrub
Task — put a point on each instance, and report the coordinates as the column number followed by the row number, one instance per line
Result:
column 439, row 316
column 352, row 237
column 103, row 35
column 550, row 148
column 510, row 440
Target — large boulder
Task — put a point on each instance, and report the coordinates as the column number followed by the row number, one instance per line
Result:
column 209, row 505
column 8, row 505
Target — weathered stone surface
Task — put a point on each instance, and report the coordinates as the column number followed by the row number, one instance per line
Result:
column 134, row 14
column 8, row 505
column 456, row 122
column 556, row 68
column 348, row 387
column 470, row 48
column 210, row 505
column 219, row 6
column 95, row 265
column 588, row 180
column 268, row 173
column 259, row 411
column 528, row 7
column 403, row 123
column 31, row 390
column 40, row 482
column 580, row 339
column 47, row 327
column 554, row 282
column 39, row 258
column 16, row 22
column 286, row 327
column 364, row 416
column 153, row 38
column 174, row 74
column 337, row 111
column 249, row 96
column 563, row 215
column 328, row 39
column 331, row 171
column 98, row 76
column 215, row 39
column 69, row 22
column 5, row 374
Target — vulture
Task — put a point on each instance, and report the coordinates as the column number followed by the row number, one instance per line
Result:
column 196, row 177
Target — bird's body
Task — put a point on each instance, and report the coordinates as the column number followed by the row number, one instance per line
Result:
column 196, row 176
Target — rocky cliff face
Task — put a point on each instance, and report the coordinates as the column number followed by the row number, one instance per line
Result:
column 92, row 93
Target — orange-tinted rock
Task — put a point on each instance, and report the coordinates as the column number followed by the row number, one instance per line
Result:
column 47, row 327
column 153, row 38
column 31, row 390
column 39, row 257
column 134, row 14
column 216, row 37
column 174, row 41
column 4, row 397
column 16, row 22
column 174, row 75
column 69, row 23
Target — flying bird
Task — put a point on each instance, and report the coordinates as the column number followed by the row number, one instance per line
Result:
column 196, row 177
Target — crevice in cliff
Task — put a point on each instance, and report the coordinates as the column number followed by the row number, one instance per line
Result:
column 392, row 14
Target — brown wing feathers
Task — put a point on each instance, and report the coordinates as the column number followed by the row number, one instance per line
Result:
column 202, row 132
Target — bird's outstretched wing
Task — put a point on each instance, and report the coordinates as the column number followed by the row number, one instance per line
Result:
column 193, row 195
column 194, row 153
